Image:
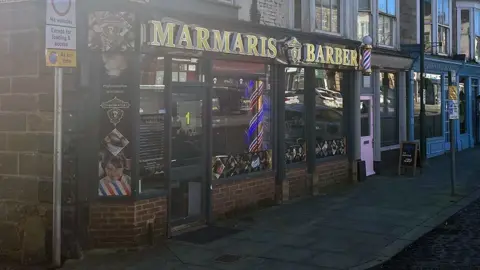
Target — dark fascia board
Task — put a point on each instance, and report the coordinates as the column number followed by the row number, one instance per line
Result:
column 235, row 25
column 395, row 53
column 414, row 51
column 198, row 7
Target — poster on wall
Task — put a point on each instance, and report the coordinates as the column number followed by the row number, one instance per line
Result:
column 115, row 130
column 111, row 34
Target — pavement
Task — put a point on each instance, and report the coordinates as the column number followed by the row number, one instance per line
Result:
column 357, row 227
column 455, row 244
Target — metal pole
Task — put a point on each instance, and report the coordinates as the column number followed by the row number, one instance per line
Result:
column 451, row 82
column 453, row 150
column 57, row 171
column 423, row 139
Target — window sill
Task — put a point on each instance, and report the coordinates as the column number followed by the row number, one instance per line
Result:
column 386, row 47
column 390, row 147
column 320, row 161
column 242, row 177
column 297, row 165
column 152, row 193
column 328, row 33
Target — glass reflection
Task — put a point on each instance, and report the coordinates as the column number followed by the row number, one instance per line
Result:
column 328, row 114
column 241, row 118
column 433, row 106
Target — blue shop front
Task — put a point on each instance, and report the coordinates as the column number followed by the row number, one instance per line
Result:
column 437, row 127
column 469, row 105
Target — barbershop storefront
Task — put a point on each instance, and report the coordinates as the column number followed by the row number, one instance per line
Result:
column 199, row 119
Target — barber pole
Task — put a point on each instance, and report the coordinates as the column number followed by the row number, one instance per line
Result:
column 366, row 60
column 256, row 107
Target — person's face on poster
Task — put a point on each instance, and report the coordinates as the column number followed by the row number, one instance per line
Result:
column 113, row 173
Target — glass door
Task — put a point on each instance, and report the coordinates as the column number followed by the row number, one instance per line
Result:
column 188, row 145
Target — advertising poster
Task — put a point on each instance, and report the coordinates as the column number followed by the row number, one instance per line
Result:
column 111, row 34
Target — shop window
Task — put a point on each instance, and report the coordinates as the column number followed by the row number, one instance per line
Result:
column 328, row 123
column 433, row 106
column 389, row 108
column 477, row 35
column 152, row 119
column 295, row 136
column 475, row 108
column 242, row 110
column 364, row 21
column 327, row 15
column 462, row 107
column 329, row 134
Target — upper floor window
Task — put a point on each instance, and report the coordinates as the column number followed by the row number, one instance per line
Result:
column 477, row 35
column 297, row 14
column 364, row 21
column 443, row 21
column 386, row 22
column 464, row 26
column 327, row 15
column 438, row 24
column 468, row 29
column 427, row 35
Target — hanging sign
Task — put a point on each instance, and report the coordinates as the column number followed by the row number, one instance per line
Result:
column 61, row 34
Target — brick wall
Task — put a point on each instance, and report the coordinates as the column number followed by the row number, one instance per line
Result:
column 239, row 195
column 408, row 22
column 26, row 139
column 333, row 172
column 326, row 174
column 125, row 224
column 297, row 182
column 273, row 12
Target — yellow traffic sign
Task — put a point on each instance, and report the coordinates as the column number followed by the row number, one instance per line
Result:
column 452, row 92
column 61, row 58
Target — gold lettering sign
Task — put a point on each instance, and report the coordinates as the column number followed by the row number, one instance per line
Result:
column 318, row 54
column 165, row 34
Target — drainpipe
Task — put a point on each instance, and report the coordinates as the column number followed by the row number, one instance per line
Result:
column 423, row 139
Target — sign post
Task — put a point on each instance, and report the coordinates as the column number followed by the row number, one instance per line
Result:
column 452, row 115
column 60, row 52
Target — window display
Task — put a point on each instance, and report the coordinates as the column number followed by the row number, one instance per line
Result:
column 328, row 115
column 389, row 109
column 433, row 106
column 152, row 129
column 241, row 118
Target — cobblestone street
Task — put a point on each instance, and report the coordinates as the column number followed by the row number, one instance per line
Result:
column 453, row 245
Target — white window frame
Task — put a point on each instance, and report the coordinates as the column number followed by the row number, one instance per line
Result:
column 435, row 27
column 463, row 5
column 374, row 10
column 291, row 15
column 396, row 27
column 371, row 20
column 342, row 18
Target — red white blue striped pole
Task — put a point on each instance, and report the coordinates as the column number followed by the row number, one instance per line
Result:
column 367, row 59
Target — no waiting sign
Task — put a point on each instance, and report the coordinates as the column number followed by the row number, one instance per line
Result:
column 61, row 13
column 61, row 34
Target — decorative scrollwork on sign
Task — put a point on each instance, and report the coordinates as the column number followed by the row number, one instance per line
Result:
column 111, row 31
